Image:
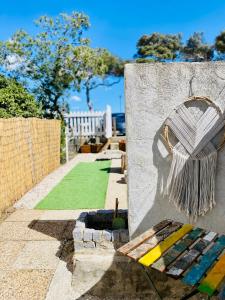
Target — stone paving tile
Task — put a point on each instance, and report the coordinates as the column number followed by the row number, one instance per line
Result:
column 38, row 255
column 14, row 231
column 25, row 215
column 25, row 284
column 116, row 189
column 9, row 251
column 47, row 230
column 60, row 287
column 62, row 214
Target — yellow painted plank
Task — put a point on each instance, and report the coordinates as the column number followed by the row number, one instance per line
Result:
column 143, row 237
column 156, row 252
column 210, row 283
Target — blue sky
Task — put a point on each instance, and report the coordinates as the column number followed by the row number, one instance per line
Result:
column 117, row 25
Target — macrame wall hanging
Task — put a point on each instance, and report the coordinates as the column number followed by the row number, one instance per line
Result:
column 191, row 180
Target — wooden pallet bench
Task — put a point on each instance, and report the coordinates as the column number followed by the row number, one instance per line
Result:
column 184, row 252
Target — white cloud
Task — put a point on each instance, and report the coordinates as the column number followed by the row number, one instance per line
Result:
column 76, row 98
column 14, row 62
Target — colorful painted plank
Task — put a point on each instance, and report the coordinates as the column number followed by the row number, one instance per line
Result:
column 221, row 295
column 205, row 241
column 153, row 241
column 183, row 263
column 195, row 274
column 177, row 250
column 149, row 258
column 143, row 237
column 211, row 282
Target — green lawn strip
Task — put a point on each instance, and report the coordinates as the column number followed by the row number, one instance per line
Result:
column 85, row 186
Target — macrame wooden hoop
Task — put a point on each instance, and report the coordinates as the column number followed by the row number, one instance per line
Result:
column 195, row 98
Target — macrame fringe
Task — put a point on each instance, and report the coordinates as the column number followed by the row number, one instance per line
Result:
column 191, row 183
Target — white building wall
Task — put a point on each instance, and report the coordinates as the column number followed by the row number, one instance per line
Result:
column 152, row 91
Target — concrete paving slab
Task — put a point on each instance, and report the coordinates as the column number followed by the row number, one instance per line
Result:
column 60, row 215
column 25, row 284
column 117, row 188
column 38, row 255
column 60, row 287
column 14, row 231
column 25, row 215
column 9, row 251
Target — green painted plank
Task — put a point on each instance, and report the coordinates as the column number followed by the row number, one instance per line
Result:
column 177, row 250
column 198, row 270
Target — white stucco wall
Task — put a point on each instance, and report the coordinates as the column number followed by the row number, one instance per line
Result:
column 152, row 91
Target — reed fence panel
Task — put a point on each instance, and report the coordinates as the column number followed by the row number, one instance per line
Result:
column 29, row 150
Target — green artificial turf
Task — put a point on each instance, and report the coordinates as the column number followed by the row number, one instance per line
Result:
column 85, row 186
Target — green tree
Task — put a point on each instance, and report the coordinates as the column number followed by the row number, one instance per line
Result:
column 99, row 68
column 158, row 47
column 46, row 61
column 196, row 49
column 220, row 44
column 15, row 101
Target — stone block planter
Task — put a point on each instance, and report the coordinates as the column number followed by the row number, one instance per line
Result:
column 99, row 271
column 94, row 230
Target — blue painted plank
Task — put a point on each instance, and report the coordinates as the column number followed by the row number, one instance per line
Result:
column 198, row 270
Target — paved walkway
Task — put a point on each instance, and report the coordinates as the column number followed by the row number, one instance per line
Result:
column 36, row 246
column 36, row 250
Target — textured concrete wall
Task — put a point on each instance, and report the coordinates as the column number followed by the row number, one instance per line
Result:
column 152, row 91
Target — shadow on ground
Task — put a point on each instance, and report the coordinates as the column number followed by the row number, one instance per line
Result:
column 122, row 181
column 60, row 230
column 105, row 274
column 116, row 170
column 105, row 277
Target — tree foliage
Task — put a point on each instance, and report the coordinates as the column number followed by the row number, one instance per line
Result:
column 99, row 68
column 46, row 61
column 220, row 42
column 169, row 47
column 158, row 47
column 57, row 60
column 15, row 101
column 196, row 49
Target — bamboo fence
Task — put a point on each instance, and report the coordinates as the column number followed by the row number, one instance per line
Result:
column 29, row 150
